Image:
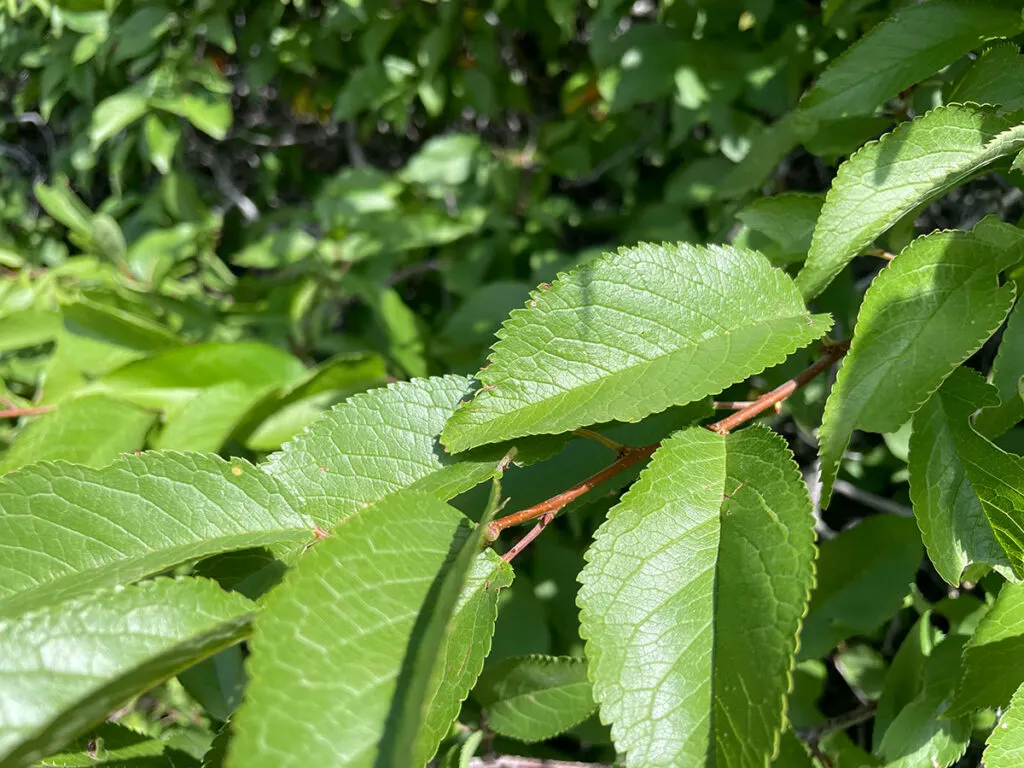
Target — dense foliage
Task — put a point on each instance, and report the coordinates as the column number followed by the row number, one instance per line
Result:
column 279, row 387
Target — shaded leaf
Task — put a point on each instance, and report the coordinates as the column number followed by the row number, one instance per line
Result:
column 657, row 611
column 954, row 528
column 922, row 734
column 1007, row 369
column 217, row 683
column 787, row 219
column 632, row 334
column 65, row 667
column 863, row 575
column 532, row 698
column 997, row 77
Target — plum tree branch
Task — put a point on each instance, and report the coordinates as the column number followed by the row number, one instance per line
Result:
column 14, row 413
column 630, row 455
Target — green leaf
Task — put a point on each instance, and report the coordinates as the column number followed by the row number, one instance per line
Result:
column 337, row 664
column 787, row 219
column 1007, row 370
column 377, row 444
column 65, row 206
column 1005, row 746
column 793, row 753
column 92, row 430
column 997, row 77
column 443, row 161
column 954, row 528
column 922, row 733
column 906, row 674
column 141, row 31
column 107, row 238
column 993, row 658
column 110, row 744
column 217, row 682
column 65, row 667
column 716, row 534
column 768, row 150
column 170, row 378
column 28, row 328
column 448, row 653
column 905, row 49
column 208, row 112
column 205, row 422
column 904, row 169
column 639, row 330
column 997, row 477
column 162, row 135
column 285, row 414
column 932, row 307
column 863, row 575
column 137, row 517
column 863, row 668
column 114, row 114
column 532, row 698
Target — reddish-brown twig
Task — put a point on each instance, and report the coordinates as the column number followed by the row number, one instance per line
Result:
column 14, row 413
column 627, row 458
column 629, row 455
column 832, row 353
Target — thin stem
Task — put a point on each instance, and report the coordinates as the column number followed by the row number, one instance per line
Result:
column 881, row 254
column 871, row 500
column 628, row 458
column 832, row 353
column 14, row 413
column 841, row 723
column 524, row 542
column 629, row 455
column 731, row 405
column 597, row 437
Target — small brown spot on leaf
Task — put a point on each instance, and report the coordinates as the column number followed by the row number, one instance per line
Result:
column 236, row 471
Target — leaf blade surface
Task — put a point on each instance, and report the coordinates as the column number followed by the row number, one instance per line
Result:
column 654, row 617
column 66, row 666
column 632, row 334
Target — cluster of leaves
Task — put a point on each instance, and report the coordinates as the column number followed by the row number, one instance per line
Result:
column 227, row 231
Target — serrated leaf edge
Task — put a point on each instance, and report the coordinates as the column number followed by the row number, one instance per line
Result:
column 585, row 636
column 844, row 171
column 488, row 383
column 826, row 491
column 543, row 660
